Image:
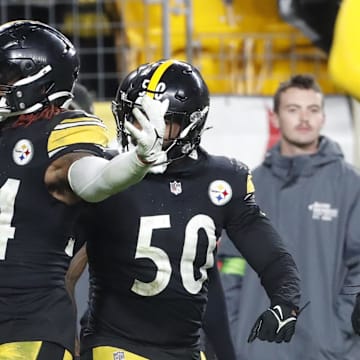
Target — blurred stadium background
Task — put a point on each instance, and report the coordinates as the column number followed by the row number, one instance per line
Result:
column 244, row 48
column 241, row 46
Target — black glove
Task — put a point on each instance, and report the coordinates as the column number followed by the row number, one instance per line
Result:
column 355, row 316
column 275, row 324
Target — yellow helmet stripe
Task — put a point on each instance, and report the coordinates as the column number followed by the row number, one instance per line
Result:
column 157, row 76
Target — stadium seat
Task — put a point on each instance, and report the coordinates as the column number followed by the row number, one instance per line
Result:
column 278, row 70
column 243, row 47
column 216, row 41
column 221, row 74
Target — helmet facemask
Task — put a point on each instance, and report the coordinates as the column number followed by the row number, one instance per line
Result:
column 189, row 136
column 28, row 94
column 122, row 111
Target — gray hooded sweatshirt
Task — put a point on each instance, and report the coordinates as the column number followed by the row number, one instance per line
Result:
column 314, row 203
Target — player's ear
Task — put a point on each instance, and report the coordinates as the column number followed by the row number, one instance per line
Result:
column 274, row 119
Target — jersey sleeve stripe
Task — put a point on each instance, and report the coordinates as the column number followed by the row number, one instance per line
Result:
column 83, row 123
column 89, row 119
column 76, row 131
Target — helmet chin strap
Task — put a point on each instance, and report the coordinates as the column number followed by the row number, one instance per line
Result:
column 5, row 113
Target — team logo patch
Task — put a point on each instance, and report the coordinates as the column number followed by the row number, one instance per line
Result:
column 220, row 192
column 323, row 211
column 119, row 355
column 23, row 152
column 175, row 187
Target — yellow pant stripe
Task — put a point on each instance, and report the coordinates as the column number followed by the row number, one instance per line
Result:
column 67, row 355
column 112, row 353
column 21, row 350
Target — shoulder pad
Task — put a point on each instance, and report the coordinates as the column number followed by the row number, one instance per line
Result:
column 79, row 129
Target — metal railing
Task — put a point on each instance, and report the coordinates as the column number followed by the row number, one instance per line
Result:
column 114, row 36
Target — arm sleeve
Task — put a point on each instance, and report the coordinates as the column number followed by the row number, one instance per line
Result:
column 259, row 243
column 94, row 179
column 264, row 250
column 216, row 324
column 344, row 54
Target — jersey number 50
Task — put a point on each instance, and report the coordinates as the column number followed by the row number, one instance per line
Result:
column 161, row 259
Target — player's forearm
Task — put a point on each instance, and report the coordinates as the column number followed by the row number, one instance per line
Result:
column 94, row 179
column 76, row 268
column 264, row 250
column 281, row 281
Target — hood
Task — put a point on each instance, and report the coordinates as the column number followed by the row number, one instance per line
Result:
column 291, row 167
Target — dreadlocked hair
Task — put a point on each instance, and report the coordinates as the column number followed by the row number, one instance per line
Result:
column 46, row 114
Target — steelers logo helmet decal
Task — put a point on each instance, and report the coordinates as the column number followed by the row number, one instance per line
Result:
column 23, row 152
column 220, row 192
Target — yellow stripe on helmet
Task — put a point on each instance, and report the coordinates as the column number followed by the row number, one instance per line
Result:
column 159, row 72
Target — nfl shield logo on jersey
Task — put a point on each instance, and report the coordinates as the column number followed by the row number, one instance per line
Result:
column 119, row 355
column 175, row 187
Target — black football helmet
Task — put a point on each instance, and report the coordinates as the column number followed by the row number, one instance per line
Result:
column 188, row 95
column 38, row 66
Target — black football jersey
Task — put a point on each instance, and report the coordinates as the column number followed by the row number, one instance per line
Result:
column 35, row 229
column 150, row 247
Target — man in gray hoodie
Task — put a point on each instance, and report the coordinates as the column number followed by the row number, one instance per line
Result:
column 312, row 197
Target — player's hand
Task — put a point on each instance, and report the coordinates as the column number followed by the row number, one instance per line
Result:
column 150, row 137
column 275, row 324
column 355, row 316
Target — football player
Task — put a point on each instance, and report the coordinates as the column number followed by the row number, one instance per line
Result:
column 51, row 160
column 152, row 246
